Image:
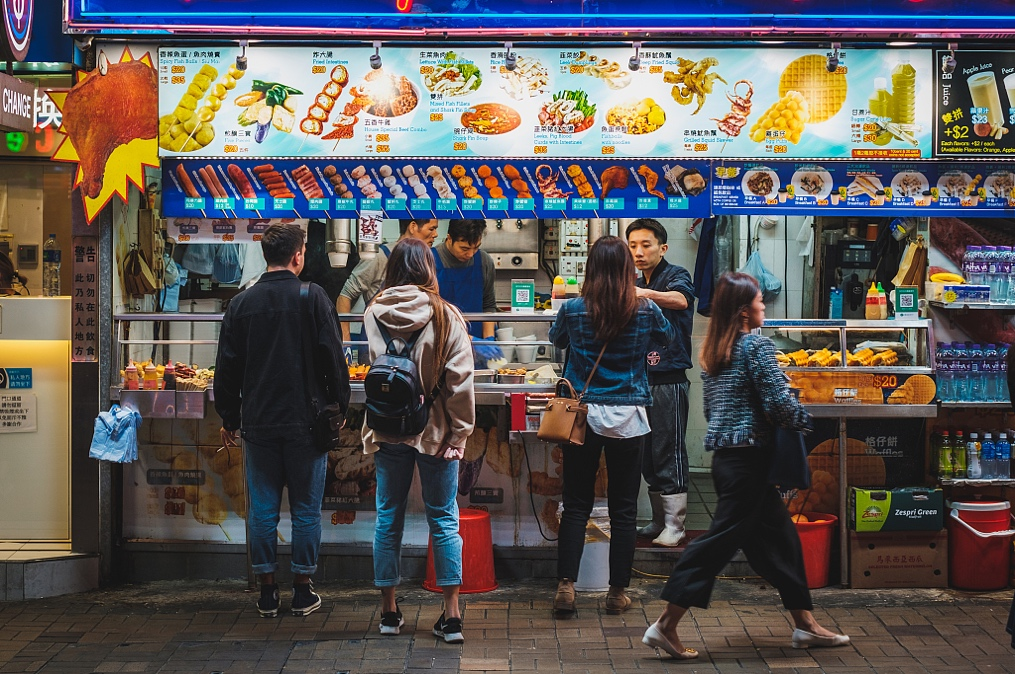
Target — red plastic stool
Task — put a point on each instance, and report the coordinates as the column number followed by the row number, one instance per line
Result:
column 477, row 554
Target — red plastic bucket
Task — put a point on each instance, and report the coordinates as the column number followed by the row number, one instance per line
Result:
column 816, row 539
column 979, row 544
column 477, row 554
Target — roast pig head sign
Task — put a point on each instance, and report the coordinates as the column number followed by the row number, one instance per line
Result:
column 17, row 104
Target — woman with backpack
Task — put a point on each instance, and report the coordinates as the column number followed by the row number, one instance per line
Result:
column 408, row 317
column 746, row 397
column 607, row 332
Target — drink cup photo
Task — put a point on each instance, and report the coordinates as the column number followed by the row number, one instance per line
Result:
column 984, row 94
column 1009, row 88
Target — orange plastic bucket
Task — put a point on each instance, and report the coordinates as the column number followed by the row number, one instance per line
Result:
column 816, row 539
column 979, row 544
column 477, row 554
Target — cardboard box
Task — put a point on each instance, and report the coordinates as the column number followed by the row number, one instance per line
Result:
column 913, row 559
column 903, row 509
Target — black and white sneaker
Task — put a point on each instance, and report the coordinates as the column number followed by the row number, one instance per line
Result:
column 392, row 622
column 305, row 600
column 267, row 605
column 449, row 629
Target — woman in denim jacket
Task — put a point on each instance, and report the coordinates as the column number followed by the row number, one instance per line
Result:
column 610, row 319
column 746, row 397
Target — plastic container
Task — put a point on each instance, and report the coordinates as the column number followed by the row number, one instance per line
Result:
column 816, row 539
column 559, row 288
column 477, row 554
column 871, row 310
column 882, row 303
column 51, row 267
column 904, row 90
column 151, row 378
column 881, row 107
column 979, row 544
column 131, row 381
column 594, row 571
column 835, row 303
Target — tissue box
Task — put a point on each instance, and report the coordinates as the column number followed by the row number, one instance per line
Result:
column 966, row 293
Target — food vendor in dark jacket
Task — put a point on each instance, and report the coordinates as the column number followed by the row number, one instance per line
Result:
column 664, row 462
column 465, row 275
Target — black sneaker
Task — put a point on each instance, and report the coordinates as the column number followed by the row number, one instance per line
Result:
column 449, row 629
column 392, row 622
column 305, row 600
column 267, row 605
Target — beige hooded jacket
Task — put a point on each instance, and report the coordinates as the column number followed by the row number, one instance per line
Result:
column 403, row 310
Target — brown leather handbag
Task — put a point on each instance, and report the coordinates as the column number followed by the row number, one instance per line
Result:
column 564, row 418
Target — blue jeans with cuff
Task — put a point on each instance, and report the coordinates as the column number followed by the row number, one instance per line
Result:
column 273, row 464
column 438, row 477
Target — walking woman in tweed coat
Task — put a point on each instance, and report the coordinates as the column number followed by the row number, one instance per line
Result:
column 746, row 397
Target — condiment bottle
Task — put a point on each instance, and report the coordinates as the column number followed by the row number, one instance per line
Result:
column 169, row 376
column 130, row 377
column 151, row 377
column 871, row 310
column 882, row 303
column 559, row 289
column 571, row 288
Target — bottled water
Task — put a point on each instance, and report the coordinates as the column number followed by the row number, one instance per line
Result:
column 1011, row 276
column 1003, row 457
column 987, row 467
column 967, row 268
column 991, row 369
column 976, row 266
column 975, row 374
column 989, row 265
column 1005, row 395
column 51, row 267
column 959, row 373
column 973, row 470
column 943, row 356
column 1003, row 275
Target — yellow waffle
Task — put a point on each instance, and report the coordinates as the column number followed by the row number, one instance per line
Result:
column 899, row 396
column 861, row 357
column 887, row 357
column 921, row 389
column 825, row 92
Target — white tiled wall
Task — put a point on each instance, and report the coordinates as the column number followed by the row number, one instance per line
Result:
column 780, row 254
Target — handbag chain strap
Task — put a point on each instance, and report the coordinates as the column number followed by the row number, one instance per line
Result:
column 592, row 374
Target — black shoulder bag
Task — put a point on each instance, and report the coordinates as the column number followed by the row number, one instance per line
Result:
column 328, row 419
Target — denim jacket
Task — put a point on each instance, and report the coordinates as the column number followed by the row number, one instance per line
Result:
column 621, row 378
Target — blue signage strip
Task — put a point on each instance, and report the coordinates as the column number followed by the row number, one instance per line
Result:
column 15, row 377
column 575, row 185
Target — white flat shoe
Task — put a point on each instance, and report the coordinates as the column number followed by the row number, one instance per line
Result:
column 805, row 639
column 655, row 639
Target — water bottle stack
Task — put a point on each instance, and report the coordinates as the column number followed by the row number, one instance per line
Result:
column 972, row 373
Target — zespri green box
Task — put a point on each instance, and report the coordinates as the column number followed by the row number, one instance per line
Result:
column 902, row 509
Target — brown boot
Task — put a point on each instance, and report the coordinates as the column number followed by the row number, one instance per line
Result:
column 617, row 601
column 564, row 602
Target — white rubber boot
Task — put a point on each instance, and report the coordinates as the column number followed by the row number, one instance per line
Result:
column 675, row 510
column 655, row 527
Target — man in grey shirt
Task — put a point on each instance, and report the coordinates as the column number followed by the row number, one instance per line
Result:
column 365, row 280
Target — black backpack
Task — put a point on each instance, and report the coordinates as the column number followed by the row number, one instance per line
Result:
column 396, row 404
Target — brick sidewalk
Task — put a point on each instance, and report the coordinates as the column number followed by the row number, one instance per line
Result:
column 207, row 627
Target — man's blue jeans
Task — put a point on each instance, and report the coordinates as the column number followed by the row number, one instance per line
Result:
column 271, row 466
column 439, row 480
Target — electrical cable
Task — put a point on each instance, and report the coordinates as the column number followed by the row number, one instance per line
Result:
column 532, row 500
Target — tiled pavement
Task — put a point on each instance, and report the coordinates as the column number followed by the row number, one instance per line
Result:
column 212, row 627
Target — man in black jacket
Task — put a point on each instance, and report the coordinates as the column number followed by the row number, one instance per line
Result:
column 260, row 387
column 664, row 462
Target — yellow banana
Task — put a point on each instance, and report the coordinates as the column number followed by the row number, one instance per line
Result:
column 947, row 277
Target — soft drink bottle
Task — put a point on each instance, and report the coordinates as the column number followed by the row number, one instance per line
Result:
column 944, row 454
column 1003, row 457
column 975, row 376
column 987, row 457
column 1004, row 260
column 959, row 456
column 51, row 267
column 960, row 373
column 973, row 469
column 943, row 358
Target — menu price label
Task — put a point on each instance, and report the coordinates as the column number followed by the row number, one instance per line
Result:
column 554, row 203
column 613, row 204
column 524, row 204
column 394, row 204
column 318, row 204
column 195, row 203
column 497, row 204
column 447, row 205
column 676, row 203
column 472, row 204
column 975, row 105
column 647, row 203
column 345, row 204
column 370, row 204
column 255, row 204
column 224, row 203
column 282, row 204
column 585, row 204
